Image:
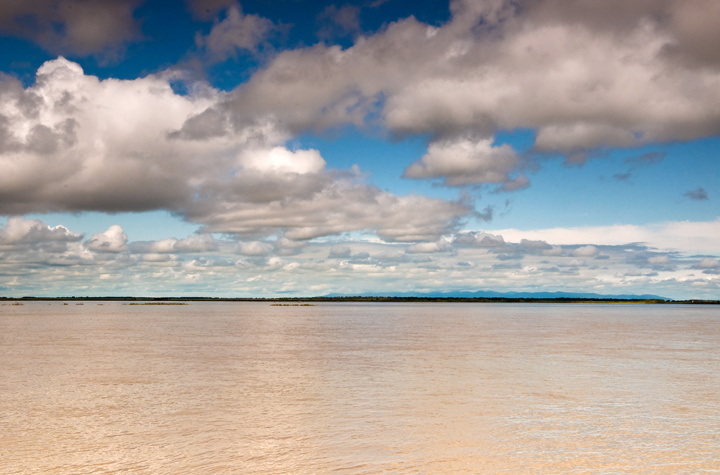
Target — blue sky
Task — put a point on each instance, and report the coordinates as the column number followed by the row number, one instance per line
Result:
column 294, row 147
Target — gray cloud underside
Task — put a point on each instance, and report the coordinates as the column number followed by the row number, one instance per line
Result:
column 337, row 208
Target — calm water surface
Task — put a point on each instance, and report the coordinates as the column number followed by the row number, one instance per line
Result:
column 359, row 388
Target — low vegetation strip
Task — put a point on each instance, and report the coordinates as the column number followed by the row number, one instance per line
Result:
column 300, row 301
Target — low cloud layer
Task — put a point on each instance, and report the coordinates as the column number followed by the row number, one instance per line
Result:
column 689, row 236
column 38, row 259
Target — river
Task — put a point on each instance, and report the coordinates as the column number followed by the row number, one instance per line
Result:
column 248, row 387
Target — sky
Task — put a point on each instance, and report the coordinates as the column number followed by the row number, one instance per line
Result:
column 290, row 148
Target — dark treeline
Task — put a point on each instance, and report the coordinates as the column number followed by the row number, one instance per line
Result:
column 369, row 299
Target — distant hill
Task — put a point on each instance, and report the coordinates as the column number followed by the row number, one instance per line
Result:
column 508, row 295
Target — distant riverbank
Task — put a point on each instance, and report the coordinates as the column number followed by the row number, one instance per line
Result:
column 301, row 300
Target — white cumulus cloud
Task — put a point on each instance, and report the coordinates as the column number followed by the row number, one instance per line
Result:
column 27, row 231
column 466, row 161
column 72, row 142
column 112, row 240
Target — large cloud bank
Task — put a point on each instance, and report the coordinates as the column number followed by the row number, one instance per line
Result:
column 582, row 76
column 74, row 143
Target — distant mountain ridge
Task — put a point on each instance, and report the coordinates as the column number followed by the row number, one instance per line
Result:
column 508, row 295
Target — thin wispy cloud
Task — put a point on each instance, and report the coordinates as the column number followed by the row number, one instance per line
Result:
column 698, row 194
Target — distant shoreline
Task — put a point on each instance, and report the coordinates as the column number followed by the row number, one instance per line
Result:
column 357, row 299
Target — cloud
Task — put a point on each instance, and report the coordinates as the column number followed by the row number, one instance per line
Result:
column 585, row 251
column 586, row 76
column 160, row 258
column 694, row 26
column 72, row 26
column 698, row 194
column 197, row 243
column 282, row 160
column 19, row 231
column 691, row 25
column 646, row 159
column 254, row 248
column 622, row 176
column 208, row 9
column 709, row 265
column 553, row 251
column 334, row 207
column 486, row 214
column 538, row 245
column 74, row 143
column 338, row 22
column 466, row 161
column 583, row 135
column 112, row 240
column 659, row 260
column 92, row 127
column 285, row 244
column 340, row 251
column 45, row 260
column 238, row 32
column 480, row 239
column 580, row 80
column 684, row 236
column 430, row 247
